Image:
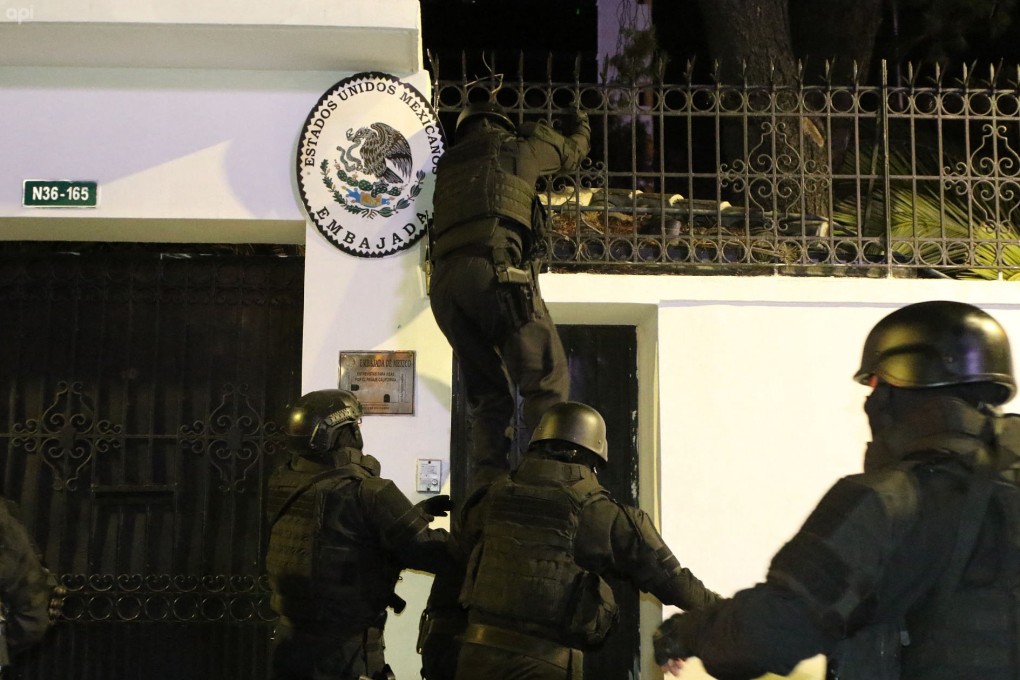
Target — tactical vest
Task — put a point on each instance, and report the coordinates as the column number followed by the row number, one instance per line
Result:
column 319, row 572
column 472, row 184
column 966, row 624
column 528, row 541
column 970, row 628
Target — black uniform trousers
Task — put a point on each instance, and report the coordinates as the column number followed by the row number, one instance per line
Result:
column 318, row 651
column 480, row 662
column 496, row 350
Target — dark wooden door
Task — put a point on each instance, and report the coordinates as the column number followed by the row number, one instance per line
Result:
column 603, row 374
column 141, row 389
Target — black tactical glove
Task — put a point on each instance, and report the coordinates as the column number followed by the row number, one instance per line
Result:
column 437, row 506
column 669, row 641
column 579, row 120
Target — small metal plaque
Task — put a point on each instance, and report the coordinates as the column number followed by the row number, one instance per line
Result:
column 382, row 381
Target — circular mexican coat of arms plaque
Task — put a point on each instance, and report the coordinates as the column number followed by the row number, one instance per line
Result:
column 366, row 164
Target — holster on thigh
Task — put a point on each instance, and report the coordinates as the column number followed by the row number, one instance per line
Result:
column 518, row 292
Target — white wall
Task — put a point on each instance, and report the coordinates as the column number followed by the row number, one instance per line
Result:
column 186, row 114
column 757, row 409
column 294, row 35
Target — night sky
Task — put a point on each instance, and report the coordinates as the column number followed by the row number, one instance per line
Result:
column 544, row 25
column 566, row 28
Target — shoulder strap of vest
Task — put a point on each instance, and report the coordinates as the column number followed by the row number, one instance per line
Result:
column 974, row 510
column 350, row 471
column 972, row 516
column 459, row 518
column 1004, row 472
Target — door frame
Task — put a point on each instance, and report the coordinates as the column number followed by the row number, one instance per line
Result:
column 644, row 318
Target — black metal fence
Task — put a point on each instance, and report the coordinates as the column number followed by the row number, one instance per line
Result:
column 917, row 176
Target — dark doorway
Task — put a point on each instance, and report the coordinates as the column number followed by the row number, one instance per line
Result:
column 603, row 374
column 142, row 385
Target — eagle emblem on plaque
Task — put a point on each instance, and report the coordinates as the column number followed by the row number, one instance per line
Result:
column 366, row 164
column 371, row 175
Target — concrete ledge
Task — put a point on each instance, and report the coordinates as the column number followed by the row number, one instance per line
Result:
column 151, row 230
column 210, row 46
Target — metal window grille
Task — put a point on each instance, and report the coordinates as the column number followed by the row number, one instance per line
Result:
column 915, row 179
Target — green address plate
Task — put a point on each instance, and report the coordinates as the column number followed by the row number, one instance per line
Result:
column 45, row 193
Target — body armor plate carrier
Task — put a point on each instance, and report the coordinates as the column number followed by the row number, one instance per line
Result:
column 473, row 185
column 967, row 624
column 528, row 540
column 969, row 627
column 325, row 573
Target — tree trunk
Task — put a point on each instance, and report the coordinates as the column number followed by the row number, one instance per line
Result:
column 785, row 155
column 840, row 31
column 751, row 32
column 844, row 33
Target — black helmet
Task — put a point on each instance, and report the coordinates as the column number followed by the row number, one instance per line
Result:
column 576, row 423
column 489, row 110
column 317, row 417
column 939, row 343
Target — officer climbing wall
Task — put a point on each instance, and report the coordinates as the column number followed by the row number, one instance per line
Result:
column 487, row 242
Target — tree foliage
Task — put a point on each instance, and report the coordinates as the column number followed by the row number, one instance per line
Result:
column 952, row 31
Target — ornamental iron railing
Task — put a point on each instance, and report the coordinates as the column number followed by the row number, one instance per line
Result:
column 918, row 175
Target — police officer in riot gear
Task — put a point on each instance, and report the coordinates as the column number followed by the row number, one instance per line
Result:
column 339, row 537
column 909, row 570
column 486, row 244
column 536, row 543
column 29, row 596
